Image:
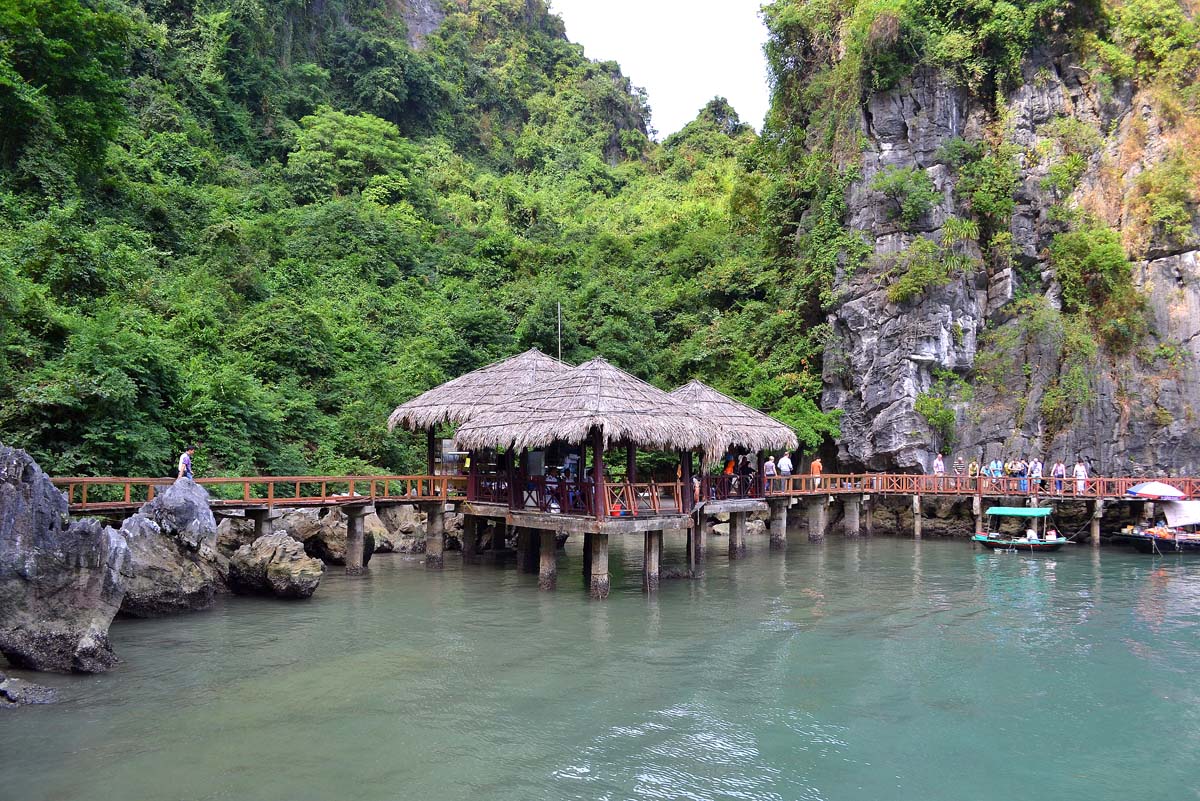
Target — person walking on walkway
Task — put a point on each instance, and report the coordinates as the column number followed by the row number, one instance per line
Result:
column 815, row 469
column 184, row 469
column 939, row 471
column 1080, row 474
column 784, row 465
column 1059, row 471
column 769, row 474
column 1035, row 472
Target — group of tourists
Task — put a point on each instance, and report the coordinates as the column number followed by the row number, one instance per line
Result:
column 1026, row 474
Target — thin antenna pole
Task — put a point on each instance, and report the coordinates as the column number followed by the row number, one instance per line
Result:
column 560, row 331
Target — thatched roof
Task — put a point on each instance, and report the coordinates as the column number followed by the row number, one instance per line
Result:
column 566, row 407
column 743, row 426
column 462, row 398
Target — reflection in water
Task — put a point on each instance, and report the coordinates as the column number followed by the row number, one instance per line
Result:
column 848, row 669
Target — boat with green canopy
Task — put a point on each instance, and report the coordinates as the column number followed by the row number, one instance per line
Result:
column 1037, row 537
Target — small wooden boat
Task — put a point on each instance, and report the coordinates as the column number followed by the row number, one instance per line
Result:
column 1038, row 537
column 1160, row 539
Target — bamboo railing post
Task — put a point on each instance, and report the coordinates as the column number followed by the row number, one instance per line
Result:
column 270, row 494
column 85, row 488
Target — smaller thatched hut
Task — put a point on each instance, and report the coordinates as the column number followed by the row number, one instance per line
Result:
column 743, row 426
column 594, row 402
column 462, row 398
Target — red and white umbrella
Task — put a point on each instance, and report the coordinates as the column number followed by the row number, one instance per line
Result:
column 1156, row 491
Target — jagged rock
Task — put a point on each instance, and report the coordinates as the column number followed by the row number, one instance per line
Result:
column 754, row 527
column 166, row 576
column 373, row 527
column 275, row 564
column 720, row 529
column 323, row 534
column 233, row 533
column 16, row 692
column 182, row 512
column 60, row 585
column 402, row 520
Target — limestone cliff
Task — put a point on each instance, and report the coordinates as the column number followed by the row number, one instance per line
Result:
column 986, row 344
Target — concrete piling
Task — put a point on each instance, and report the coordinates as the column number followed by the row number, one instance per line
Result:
column 916, row 511
column 778, row 524
column 599, row 582
column 1097, row 515
column 650, row 561
column 548, row 563
column 737, row 535
column 851, row 513
column 355, row 538
column 435, row 536
column 818, row 519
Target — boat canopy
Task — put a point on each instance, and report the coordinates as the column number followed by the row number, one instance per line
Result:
column 1181, row 513
column 1019, row 511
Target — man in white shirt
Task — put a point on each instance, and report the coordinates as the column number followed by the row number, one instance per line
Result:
column 784, row 465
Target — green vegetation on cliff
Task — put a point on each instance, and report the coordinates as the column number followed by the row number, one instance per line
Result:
column 260, row 225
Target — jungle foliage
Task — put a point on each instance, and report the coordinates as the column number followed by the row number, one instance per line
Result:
column 260, row 225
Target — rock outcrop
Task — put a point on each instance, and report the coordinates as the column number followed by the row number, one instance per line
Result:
column 233, row 533
column 18, row 692
column 175, row 565
column 60, row 584
column 323, row 534
column 275, row 564
column 999, row 366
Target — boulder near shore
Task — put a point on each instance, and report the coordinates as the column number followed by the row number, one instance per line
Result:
column 61, row 583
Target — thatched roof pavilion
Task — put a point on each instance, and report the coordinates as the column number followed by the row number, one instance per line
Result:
column 743, row 426
column 594, row 399
column 462, row 398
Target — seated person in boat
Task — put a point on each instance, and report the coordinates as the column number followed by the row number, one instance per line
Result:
column 1031, row 535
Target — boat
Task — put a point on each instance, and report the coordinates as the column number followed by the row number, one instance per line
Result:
column 1176, row 534
column 1159, row 539
column 1037, row 536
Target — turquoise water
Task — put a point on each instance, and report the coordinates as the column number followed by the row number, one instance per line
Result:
column 872, row 669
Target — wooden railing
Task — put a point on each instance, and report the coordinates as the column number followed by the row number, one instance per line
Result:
column 577, row 497
column 114, row 494
column 724, row 487
column 999, row 487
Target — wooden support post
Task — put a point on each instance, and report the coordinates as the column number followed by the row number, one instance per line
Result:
column 685, row 475
column 631, row 463
column 587, row 556
column 737, row 535
column 869, row 515
column 916, row 510
column 650, row 561
column 691, row 550
column 851, row 512
column 701, row 521
column 548, row 564
column 758, row 477
column 1097, row 515
column 429, row 454
column 977, row 512
column 355, row 538
column 527, row 550
column 818, row 518
column 435, row 536
column 470, row 538
column 778, row 524
column 599, row 582
column 598, row 481
column 499, row 532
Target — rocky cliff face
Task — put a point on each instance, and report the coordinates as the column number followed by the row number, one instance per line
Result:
column 998, row 364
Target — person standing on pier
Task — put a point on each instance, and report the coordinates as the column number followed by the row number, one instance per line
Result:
column 815, row 469
column 1059, row 471
column 1080, row 474
column 769, row 473
column 1035, row 471
column 785, row 465
column 184, row 469
column 939, row 471
column 959, row 466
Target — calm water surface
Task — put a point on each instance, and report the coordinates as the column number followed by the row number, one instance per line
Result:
column 876, row 669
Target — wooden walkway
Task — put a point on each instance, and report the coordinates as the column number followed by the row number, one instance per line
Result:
column 87, row 495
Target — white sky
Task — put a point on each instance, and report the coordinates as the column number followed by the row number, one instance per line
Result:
column 683, row 52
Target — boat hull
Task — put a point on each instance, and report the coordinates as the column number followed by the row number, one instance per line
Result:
column 1160, row 545
column 1020, row 545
